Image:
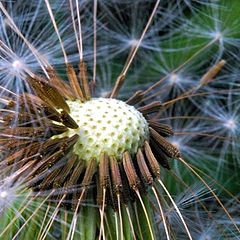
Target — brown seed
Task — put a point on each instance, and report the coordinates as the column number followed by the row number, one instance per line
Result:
column 78, row 169
column 66, row 170
column 153, row 163
column 61, row 86
column 150, row 108
column 41, row 168
column 212, row 72
column 116, row 176
column 84, row 80
column 90, row 171
column 130, row 171
column 163, row 129
column 116, row 189
column 117, row 86
column 74, row 82
column 127, row 193
column 49, row 179
column 136, row 98
column 72, row 183
column 48, row 93
column 104, row 176
column 159, row 154
column 169, row 149
column 67, row 120
column 38, row 107
column 144, row 168
column 15, row 156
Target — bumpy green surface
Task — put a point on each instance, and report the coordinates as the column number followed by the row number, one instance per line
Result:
column 107, row 125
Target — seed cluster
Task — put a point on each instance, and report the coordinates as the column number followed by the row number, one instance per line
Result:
column 107, row 125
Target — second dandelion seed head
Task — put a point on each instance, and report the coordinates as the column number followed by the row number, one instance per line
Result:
column 107, row 125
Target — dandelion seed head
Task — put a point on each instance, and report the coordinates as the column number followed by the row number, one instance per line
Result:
column 107, row 125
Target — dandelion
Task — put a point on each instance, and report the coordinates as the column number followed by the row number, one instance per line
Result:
column 95, row 163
